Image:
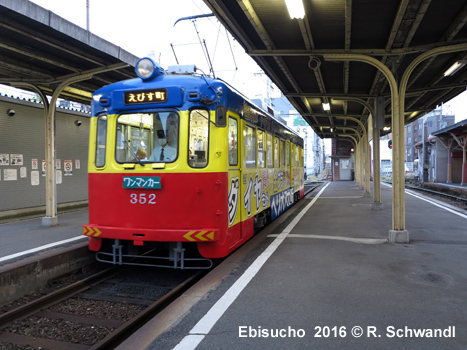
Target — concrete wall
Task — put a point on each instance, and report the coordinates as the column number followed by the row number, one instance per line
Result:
column 22, row 185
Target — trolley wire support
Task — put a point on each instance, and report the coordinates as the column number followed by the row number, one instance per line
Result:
column 194, row 17
column 202, row 42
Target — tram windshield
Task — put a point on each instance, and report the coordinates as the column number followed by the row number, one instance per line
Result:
column 147, row 137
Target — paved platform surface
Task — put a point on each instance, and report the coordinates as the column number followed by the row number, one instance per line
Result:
column 25, row 238
column 333, row 281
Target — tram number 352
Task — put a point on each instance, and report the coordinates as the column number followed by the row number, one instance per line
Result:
column 142, row 198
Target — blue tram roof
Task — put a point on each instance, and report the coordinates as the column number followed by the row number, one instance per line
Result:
column 184, row 92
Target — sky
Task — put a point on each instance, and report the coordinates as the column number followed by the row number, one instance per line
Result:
column 146, row 27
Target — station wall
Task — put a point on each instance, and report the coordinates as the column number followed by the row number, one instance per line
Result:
column 22, row 152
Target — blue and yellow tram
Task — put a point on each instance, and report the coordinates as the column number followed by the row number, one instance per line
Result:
column 179, row 160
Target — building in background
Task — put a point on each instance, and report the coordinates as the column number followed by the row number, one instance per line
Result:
column 443, row 155
column 433, row 121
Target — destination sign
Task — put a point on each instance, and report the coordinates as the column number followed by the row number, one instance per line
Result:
column 145, row 96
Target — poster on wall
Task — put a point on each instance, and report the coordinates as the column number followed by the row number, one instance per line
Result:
column 23, row 172
column 43, row 167
column 16, row 159
column 58, row 176
column 58, row 164
column 77, row 164
column 35, row 177
column 68, row 167
column 34, row 164
column 10, row 175
column 4, row 159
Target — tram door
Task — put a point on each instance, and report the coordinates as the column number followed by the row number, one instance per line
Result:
column 235, row 179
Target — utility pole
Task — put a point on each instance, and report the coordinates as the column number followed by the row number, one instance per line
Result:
column 87, row 15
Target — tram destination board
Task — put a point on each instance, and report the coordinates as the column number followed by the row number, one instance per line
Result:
column 145, row 96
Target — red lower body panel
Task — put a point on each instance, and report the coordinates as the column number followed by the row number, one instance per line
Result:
column 186, row 208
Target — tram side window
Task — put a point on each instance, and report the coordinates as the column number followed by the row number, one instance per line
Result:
column 276, row 152
column 297, row 163
column 250, row 147
column 198, row 143
column 292, row 154
column 233, row 144
column 282, row 153
column 269, row 151
column 287, row 153
column 101, row 141
column 261, row 149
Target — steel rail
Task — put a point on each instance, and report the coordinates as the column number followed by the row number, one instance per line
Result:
column 55, row 297
column 122, row 333
column 442, row 194
column 459, row 199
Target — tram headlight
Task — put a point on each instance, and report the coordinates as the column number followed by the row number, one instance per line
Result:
column 146, row 69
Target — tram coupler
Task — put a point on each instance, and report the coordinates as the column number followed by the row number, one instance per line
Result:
column 178, row 254
column 117, row 253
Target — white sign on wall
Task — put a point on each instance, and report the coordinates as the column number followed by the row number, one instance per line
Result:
column 35, row 177
column 10, row 175
column 68, row 167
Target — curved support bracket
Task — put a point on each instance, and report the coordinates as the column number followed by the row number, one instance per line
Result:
column 50, row 218
column 367, row 158
column 358, row 100
column 37, row 90
column 351, row 129
column 402, row 91
column 349, row 136
column 398, row 202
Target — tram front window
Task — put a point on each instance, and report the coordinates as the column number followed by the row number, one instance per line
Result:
column 147, row 137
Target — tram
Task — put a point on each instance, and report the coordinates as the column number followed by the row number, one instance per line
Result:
column 182, row 168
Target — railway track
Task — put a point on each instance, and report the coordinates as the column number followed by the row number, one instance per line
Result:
column 310, row 186
column 98, row 312
column 445, row 197
column 436, row 193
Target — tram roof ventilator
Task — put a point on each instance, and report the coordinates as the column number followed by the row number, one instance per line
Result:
column 182, row 69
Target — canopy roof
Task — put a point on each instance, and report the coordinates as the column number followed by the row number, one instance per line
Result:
column 39, row 48
column 303, row 57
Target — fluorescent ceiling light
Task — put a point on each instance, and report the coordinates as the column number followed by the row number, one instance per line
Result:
column 455, row 67
column 326, row 107
column 295, row 8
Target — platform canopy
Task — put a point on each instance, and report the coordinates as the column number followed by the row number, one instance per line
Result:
column 308, row 58
column 40, row 49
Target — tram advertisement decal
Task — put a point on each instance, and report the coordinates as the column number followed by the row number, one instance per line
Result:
column 280, row 202
column 149, row 182
column 254, row 186
column 233, row 198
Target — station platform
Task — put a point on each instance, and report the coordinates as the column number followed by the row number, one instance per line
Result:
column 27, row 237
column 327, row 278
